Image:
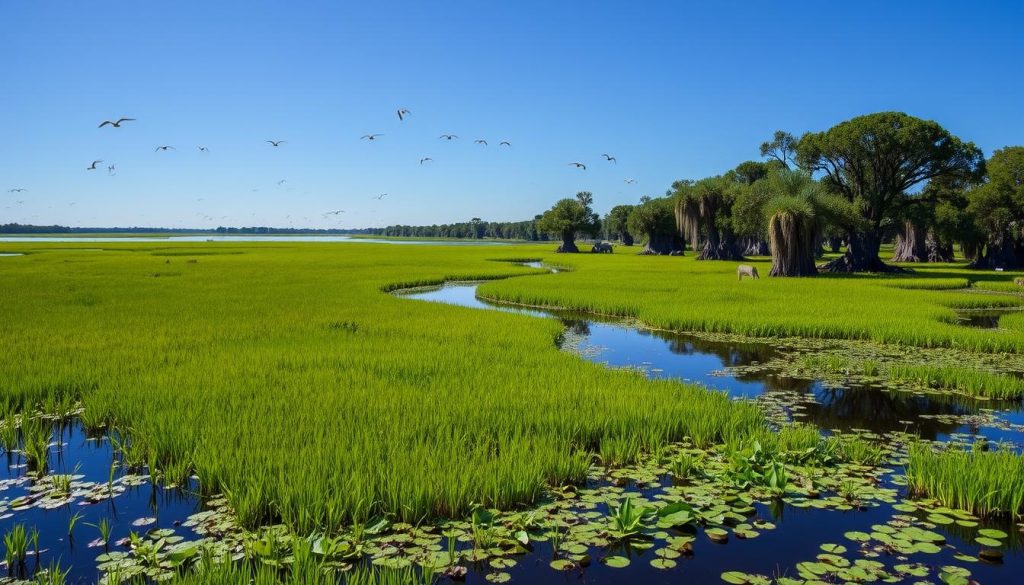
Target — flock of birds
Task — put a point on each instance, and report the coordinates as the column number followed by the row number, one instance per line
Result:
column 402, row 114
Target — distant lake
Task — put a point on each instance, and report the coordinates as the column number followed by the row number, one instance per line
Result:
column 245, row 238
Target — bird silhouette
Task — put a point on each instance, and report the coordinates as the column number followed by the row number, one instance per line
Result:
column 426, row 159
column 275, row 143
column 116, row 124
column 379, row 197
column 92, row 167
column 504, row 143
column 480, row 141
column 19, row 202
column 630, row 181
column 402, row 113
column 335, row 212
column 111, row 170
column 370, row 137
column 578, row 165
column 17, row 190
column 203, row 149
column 282, row 181
column 448, row 136
column 609, row 158
column 164, row 148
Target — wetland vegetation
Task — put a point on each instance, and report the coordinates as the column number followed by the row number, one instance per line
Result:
column 306, row 438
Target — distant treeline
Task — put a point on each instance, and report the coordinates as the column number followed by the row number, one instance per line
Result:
column 475, row 228
column 17, row 228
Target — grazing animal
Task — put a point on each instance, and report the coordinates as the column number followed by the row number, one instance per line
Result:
column 116, row 124
column 602, row 248
column 746, row 270
column 1019, row 281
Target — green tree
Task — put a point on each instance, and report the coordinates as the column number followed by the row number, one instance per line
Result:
column 654, row 219
column 998, row 205
column 704, row 214
column 569, row 217
column 781, row 148
column 615, row 223
column 873, row 161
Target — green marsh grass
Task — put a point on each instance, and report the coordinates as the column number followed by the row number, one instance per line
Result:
column 987, row 483
column 237, row 371
column 683, row 294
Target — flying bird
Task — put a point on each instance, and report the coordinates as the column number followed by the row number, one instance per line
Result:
column 609, row 158
column 426, row 159
column 111, row 170
column 282, row 181
column 164, row 148
column 448, row 136
column 18, row 190
column 578, row 165
column 203, row 149
column 630, row 181
column 116, row 124
column 370, row 137
column 335, row 212
column 20, row 201
column 480, row 141
column 92, row 167
column 379, row 197
column 505, row 143
column 402, row 113
column 275, row 143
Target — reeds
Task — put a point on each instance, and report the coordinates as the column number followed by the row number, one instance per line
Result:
column 988, row 483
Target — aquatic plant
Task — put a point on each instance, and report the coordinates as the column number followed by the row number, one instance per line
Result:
column 984, row 482
column 16, row 543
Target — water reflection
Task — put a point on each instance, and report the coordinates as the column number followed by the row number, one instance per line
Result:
column 666, row 354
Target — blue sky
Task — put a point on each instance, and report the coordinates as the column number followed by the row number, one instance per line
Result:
column 673, row 90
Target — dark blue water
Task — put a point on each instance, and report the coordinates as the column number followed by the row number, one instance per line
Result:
column 73, row 452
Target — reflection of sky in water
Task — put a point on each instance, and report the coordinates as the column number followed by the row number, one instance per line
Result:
column 668, row 355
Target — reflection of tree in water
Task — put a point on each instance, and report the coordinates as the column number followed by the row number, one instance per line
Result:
column 577, row 326
column 731, row 354
column 880, row 411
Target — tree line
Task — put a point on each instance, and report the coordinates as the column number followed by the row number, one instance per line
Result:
column 880, row 177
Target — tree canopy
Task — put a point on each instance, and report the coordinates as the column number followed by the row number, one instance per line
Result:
column 998, row 205
column 874, row 161
column 569, row 217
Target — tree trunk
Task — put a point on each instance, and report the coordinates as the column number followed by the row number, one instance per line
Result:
column 1001, row 252
column 792, row 242
column 568, row 243
column 971, row 250
column 756, row 247
column 938, row 251
column 835, row 244
column 661, row 244
column 720, row 247
column 626, row 238
column 861, row 255
column 910, row 245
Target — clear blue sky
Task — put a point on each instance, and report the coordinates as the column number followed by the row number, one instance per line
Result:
column 673, row 92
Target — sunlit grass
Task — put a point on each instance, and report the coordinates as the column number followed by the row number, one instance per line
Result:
column 986, row 483
column 284, row 377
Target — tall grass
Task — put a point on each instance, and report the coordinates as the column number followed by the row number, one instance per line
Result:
column 986, row 483
column 239, row 371
column 687, row 295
